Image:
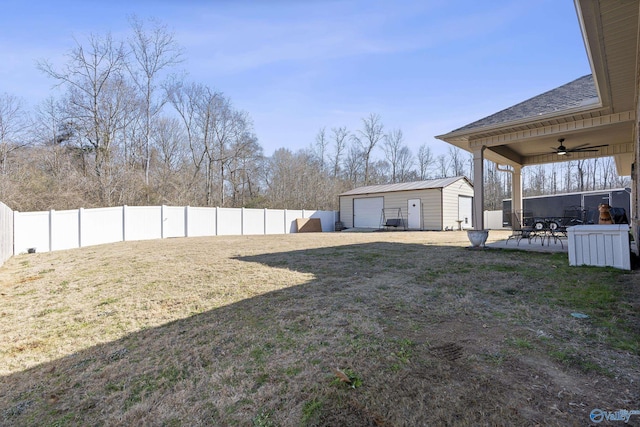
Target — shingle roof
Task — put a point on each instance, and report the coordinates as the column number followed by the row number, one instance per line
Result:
column 578, row 93
column 405, row 186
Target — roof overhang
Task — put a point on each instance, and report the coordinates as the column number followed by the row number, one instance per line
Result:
column 610, row 32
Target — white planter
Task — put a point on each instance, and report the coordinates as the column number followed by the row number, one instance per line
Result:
column 477, row 237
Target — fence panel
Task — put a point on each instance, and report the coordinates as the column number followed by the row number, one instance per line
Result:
column 65, row 230
column 173, row 220
column 201, row 222
column 142, row 222
column 32, row 231
column 101, row 225
column 290, row 220
column 274, row 221
column 493, row 220
column 229, row 222
column 6, row 233
column 253, row 221
column 327, row 219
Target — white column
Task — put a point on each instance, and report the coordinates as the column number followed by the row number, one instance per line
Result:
column 478, row 189
column 516, row 189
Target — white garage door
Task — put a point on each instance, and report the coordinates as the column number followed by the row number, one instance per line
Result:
column 465, row 209
column 367, row 212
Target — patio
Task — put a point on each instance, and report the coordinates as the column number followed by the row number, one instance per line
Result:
column 533, row 244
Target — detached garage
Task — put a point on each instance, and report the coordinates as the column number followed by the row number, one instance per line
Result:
column 437, row 204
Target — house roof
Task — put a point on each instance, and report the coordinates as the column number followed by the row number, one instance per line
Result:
column 581, row 92
column 405, row 186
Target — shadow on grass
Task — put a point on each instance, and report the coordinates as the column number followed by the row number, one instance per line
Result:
column 409, row 321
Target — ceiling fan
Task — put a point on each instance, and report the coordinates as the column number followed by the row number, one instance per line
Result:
column 561, row 150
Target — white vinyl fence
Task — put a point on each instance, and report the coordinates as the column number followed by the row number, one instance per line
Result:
column 493, row 220
column 6, row 233
column 56, row 230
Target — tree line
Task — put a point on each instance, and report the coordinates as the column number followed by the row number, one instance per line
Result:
column 130, row 129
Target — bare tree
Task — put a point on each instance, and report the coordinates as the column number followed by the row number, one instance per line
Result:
column 321, row 145
column 195, row 105
column 97, row 98
column 456, row 159
column 153, row 51
column 392, row 146
column 245, row 169
column 425, row 161
column 367, row 138
column 568, row 174
column 50, row 130
column 339, row 145
column 443, row 166
column 405, row 163
column 581, row 171
column 353, row 165
column 171, row 154
column 13, row 126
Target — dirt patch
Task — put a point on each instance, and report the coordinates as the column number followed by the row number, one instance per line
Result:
column 249, row 330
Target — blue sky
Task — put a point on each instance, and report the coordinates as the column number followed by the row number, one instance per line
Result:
column 426, row 67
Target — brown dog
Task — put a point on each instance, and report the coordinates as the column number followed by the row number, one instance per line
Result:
column 605, row 215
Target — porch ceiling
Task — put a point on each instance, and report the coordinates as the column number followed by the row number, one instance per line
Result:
column 610, row 30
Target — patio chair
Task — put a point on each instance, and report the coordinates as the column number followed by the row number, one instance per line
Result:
column 520, row 230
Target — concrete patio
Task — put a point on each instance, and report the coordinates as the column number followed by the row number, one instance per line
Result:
column 534, row 244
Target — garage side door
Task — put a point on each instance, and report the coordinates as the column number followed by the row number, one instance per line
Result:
column 465, row 209
column 366, row 212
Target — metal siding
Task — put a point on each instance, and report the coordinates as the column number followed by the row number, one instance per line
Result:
column 450, row 202
column 346, row 211
column 432, row 210
column 430, row 205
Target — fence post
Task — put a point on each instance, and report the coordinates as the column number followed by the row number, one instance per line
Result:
column 162, row 221
column 51, row 213
column 217, row 220
column 124, row 223
column 186, row 221
column 80, row 211
column 242, row 221
column 265, row 221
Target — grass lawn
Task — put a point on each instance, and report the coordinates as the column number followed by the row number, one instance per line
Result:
column 333, row 329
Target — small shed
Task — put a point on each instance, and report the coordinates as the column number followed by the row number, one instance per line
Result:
column 436, row 204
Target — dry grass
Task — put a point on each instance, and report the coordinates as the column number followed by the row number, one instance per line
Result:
column 249, row 331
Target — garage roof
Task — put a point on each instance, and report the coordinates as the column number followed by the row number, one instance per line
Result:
column 405, row 186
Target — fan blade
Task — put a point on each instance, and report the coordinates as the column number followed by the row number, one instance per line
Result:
column 577, row 147
column 589, row 148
